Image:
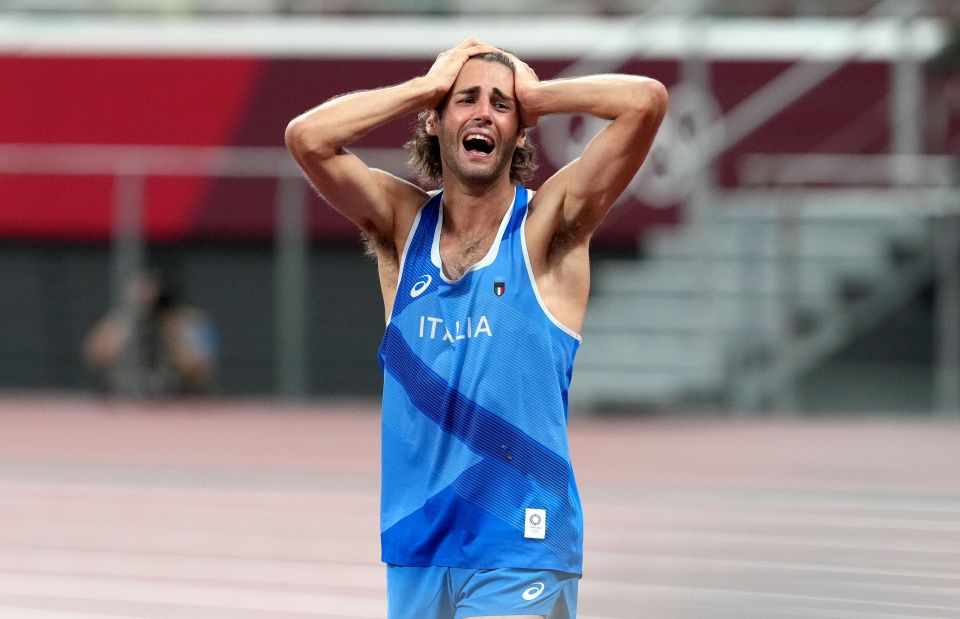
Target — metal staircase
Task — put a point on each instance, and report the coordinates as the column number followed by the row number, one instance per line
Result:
column 733, row 309
column 764, row 282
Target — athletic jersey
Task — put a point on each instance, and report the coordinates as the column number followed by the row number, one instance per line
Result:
column 476, row 468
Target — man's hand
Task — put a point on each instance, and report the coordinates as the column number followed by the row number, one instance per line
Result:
column 524, row 81
column 447, row 67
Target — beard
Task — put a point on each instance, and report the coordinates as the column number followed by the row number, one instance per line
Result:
column 471, row 172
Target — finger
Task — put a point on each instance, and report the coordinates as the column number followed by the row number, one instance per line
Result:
column 468, row 43
column 465, row 44
column 468, row 49
column 481, row 48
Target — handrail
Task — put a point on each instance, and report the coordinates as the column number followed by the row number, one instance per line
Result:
column 167, row 160
column 850, row 169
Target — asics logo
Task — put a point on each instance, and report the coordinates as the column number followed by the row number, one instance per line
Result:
column 420, row 286
column 533, row 592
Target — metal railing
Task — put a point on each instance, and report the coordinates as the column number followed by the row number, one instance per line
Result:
column 895, row 187
column 130, row 166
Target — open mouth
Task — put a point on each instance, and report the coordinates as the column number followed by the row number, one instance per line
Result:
column 477, row 143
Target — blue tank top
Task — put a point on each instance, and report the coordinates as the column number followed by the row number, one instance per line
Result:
column 476, row 466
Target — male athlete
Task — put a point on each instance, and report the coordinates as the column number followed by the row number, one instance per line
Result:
column 485, row 287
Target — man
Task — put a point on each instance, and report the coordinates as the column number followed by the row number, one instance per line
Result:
column 485, row 287
column 153, row 344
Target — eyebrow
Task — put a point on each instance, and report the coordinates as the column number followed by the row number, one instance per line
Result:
column 474, row 90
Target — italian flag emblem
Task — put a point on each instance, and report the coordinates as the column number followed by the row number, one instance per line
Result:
column 499, row 287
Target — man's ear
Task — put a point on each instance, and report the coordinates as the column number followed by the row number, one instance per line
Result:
column 431, row 123
column 522, row 138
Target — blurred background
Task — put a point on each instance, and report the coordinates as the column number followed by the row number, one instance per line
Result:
column 792, row 243
column 763, row 412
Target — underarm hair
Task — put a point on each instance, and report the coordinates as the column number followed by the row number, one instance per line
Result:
column 377, row 247
column 568, row 236
column 370, row 245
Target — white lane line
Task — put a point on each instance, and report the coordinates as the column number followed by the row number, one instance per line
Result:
column 202, row 596
column 614, row 538
column 24, row 612
column 192, row 567
column 621, row 495
column 210, row 496
column 216, row 522
column 677, row 515
column 858, row 588
column 834, row 613
column 634, row 591
column 596, row 559
column 202, row 508
column 319, row 544
column 712, row 610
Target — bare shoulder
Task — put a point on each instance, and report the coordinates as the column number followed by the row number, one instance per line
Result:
column 405, row 199
column 401, row 198
column 558, row 252
column 549, row 233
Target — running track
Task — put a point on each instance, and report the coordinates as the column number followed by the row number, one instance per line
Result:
column 257, row 510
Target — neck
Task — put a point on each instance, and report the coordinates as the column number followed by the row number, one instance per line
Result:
column 469, row 208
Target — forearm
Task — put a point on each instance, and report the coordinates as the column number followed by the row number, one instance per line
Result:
column 607, row 96
column 329, row 127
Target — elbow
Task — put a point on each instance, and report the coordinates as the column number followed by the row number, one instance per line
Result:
column 652, row 99
column 295, row 137
column 304, row 140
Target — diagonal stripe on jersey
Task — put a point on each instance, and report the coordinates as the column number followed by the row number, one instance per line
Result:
column 485, row 432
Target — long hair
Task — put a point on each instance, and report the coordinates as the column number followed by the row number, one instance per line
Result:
column 424, row 148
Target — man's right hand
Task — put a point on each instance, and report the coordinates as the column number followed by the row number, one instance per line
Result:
column 447, row 67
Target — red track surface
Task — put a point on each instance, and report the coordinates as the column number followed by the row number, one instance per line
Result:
column 257, row 510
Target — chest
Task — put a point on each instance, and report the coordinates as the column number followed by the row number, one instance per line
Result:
column 458, row 254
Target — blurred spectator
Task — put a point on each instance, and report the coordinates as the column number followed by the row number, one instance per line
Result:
column 153, row 344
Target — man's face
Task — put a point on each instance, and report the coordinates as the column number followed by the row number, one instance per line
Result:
column 480, row 124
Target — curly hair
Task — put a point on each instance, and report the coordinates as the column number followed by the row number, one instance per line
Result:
column 424, row 148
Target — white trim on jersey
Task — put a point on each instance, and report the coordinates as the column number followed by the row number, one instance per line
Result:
column 487, row 260
column 406, row 247
column 533, row 280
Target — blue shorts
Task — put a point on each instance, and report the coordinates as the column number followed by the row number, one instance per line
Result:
column 457, row 593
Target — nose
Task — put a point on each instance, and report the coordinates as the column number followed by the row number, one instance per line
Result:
column 482, row 111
